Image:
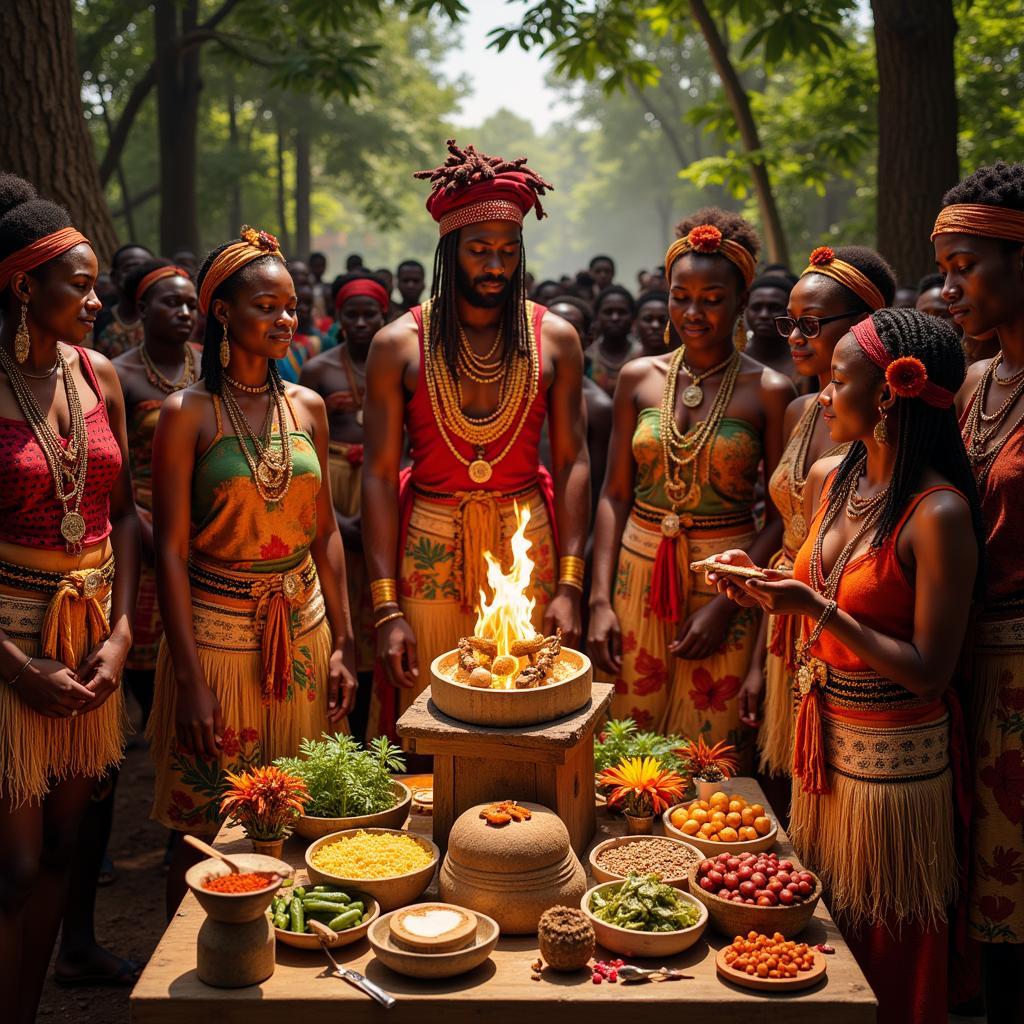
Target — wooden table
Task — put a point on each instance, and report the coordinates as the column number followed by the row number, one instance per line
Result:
column 550, row 764
column 498, row 992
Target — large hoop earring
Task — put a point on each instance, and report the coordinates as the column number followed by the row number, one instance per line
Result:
column 225, row 348
column 881, row 431
column 22, row 339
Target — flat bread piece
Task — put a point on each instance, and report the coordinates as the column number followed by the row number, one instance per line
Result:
column 725, row 569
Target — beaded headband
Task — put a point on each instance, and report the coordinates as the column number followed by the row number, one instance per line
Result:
column 824, row 261
column 982, row 220
column 707, row 239
column 477, row 213
column 158, row 275
column 36, row 253
column 907, row 376
column 254, row 244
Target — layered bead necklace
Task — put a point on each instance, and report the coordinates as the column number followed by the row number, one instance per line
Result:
column 271, row 466
column 681, row 451
column 520, row 383
column 352, row 377
column 980, row 427
column 68, row 464
column 164, row 383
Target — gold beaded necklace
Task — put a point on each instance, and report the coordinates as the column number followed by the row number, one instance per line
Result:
column 980, row 427
column 69, row 465
column 352, row 377
column 521, row 385
column 681, row 452
column 271, row 467
column 484, row 369
column 693, row 393
column 164, row 383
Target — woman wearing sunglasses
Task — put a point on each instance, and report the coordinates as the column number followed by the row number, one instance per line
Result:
column 837, row 290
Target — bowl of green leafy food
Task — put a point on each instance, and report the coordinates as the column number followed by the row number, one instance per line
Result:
column 641, row 916
column 350, row 786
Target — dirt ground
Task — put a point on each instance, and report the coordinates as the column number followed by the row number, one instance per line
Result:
column 129, row 913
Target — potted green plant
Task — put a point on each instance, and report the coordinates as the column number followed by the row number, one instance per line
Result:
column 710, row 767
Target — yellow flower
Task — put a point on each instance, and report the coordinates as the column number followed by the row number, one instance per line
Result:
column 642, row 785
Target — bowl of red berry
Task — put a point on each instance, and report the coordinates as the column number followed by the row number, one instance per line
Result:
column 755, row 892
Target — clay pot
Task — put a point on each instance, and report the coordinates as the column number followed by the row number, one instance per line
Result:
column 639, row 824
column 235, row 955
column 270, row 848
column 514, row 872
column 706, row 790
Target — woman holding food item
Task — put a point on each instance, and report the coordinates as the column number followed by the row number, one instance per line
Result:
column 68, row 573
column 979, row 246
column 251, row 576
column 837, row 290
column 883, row 583
column 690, row 432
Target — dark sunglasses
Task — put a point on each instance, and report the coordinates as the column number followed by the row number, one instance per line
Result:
column 808, row 326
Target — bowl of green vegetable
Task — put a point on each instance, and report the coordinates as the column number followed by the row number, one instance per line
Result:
column 349, row 786
column 348, row 914
column 643, row 917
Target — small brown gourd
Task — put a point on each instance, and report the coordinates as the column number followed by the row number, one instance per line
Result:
column 566, row 938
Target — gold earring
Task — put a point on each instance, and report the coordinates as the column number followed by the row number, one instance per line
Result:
column 22, row 340
column 668, row 333
column 881, row 431
column 739, row 334
column 225, row 348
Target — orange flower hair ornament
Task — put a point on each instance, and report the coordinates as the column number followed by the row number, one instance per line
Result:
column 823, row 260
column 254, row 244
column 907, row 376
column 707, row 239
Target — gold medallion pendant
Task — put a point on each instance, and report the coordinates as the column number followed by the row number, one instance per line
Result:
column 693, row 395
column 798, row 525
column 670, row 525
column 270, row 476
column 480, row 471
column 72, row 527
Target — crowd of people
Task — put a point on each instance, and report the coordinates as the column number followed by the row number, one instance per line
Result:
column 261, row 499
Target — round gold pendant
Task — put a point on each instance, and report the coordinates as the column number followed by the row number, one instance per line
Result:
column 798, row 525
column 693, row 396
column 670, row 525
column 269, row 476
column 72, row 527
column 480, row 471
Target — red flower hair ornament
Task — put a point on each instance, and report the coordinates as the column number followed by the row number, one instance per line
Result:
column 821, row 257
column 704, row 238
column 260, row 239
column 906, row 376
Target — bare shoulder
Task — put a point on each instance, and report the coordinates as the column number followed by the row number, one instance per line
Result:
column 945, row 509
column 130, row 360
column 312, row 369
column 795, row 410
column 307, row 398
column 559, row 334
column 974, row 374
column 818, row 473
column 773, row 384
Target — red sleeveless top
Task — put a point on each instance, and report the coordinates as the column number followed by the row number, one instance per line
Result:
column 30, row 512
column 435, row 468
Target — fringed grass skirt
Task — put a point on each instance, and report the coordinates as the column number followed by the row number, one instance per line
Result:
column 258, row 727
column 775, row 737
column 36, row 751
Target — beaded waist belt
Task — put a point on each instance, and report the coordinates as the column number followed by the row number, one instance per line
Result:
column 294, row 583
column 860, row 691
column 1000, row 628
column 462, row 496
column 651, row 516
column 886, row 753
column 88, row 581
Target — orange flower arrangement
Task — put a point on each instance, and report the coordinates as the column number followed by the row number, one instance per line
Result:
column 821, row 256
column 641, row 786
column 906, row 376
column 709, row 764
column 264, row 801
column 704, row 238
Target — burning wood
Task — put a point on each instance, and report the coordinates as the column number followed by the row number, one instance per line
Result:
column 536, row 673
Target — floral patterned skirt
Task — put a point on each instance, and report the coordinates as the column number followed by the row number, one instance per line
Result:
column 996, row 678
column 658, row 690
column 431, row 586
column 257, row 729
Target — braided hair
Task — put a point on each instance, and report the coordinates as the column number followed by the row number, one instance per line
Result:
column 467, row 166
column 211, row 371
column 928, row 437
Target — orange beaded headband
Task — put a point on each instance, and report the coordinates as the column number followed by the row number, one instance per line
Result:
column 253, row 245
column 38, row 252
column 707, row 239
column 158, row 275
column 979, row 219
column 824, row 261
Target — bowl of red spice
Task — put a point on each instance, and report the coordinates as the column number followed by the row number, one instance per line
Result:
column 237, row 897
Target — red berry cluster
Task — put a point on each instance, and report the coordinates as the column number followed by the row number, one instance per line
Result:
column 606, row 970
column 759, row 879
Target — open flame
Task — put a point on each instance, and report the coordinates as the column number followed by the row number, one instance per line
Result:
column 507, row 616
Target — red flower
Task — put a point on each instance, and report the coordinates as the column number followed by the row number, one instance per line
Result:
column 354, row 455
column 712, row 693
column 651, row 674
column 629, row 642
column 620, row 685
column 704, row 238
column 311, row 694
column 248, row 735
column 1005, row 777
column 906, row 376
column 997, row 908
column 182, row 800
column 260, row 239
column 274, row 548
column 229, row 744
column 1007, row 866
column 822, row 256
column 643, row 718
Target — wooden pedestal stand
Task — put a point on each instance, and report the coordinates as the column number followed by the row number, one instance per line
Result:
column 550, row 764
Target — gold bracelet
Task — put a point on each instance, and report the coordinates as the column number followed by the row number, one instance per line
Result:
column 571, row 581
column 388, row 618
column 812, row 639
column 21, row 671
column 570, row 571
column 383, row 592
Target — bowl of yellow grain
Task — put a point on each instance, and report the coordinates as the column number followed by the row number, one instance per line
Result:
column 391, row 865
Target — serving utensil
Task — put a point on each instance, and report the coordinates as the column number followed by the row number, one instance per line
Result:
column 360, row 981
column 628, row 973
column 206, row 848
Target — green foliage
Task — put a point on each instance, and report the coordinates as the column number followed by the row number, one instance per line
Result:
column 621, row 738
column 343, row 779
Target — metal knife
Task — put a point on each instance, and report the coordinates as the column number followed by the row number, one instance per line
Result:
column 360, row 981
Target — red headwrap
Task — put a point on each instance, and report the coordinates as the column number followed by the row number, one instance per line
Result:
column 39, row 252
column 363, row 286
column 907, row 376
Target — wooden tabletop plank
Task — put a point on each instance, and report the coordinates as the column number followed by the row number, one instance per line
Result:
column 500, row 991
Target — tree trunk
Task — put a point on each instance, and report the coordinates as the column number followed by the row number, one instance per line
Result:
column 303, row 192
column 282, row 211
column 43, row 135
column 771, row 221
column 235, row 203
column 917, row 126
column 177, row 90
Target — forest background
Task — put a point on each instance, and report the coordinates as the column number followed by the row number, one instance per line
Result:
column 171, row 122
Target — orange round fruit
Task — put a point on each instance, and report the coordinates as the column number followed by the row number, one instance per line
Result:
column 728, row 835
column 762, row 825
column 733, row 819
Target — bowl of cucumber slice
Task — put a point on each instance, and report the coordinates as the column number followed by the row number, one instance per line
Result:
column 347, row 913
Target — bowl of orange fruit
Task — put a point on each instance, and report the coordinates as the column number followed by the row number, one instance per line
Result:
column 723, row 822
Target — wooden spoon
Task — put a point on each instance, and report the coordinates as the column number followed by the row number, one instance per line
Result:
column 206, row 848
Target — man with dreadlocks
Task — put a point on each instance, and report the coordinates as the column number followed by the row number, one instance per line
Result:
column 470, row 375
